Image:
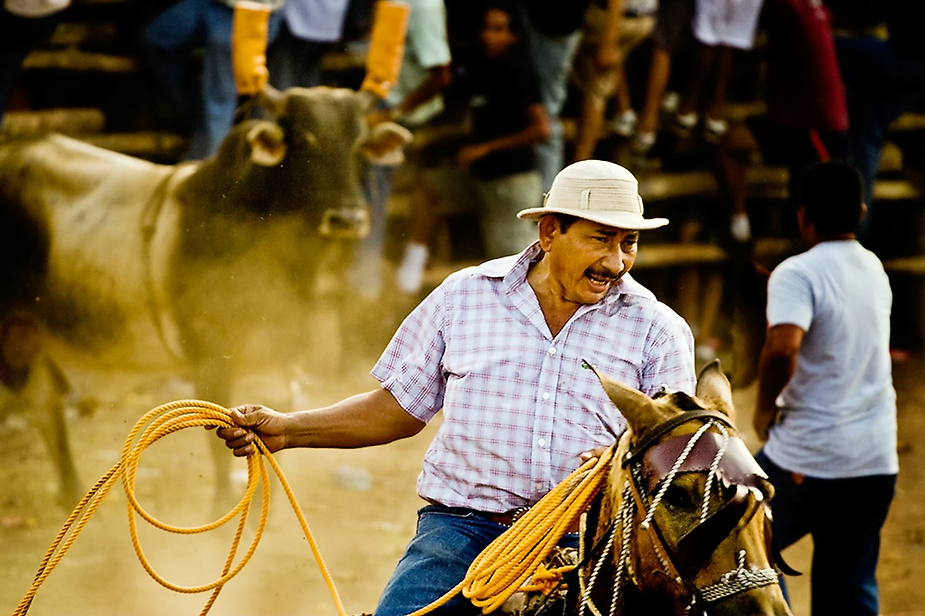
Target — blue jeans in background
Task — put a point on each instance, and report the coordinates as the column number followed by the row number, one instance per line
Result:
column 844, row 518
column 447, row 540
column 208, row 104
column 552, row 60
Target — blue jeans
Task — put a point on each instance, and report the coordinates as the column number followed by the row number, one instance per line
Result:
column 844, row 518
column 447, row 540
column 166, row 44
column 881, row 87
column 376, row 183
column 552, row 60
column 295, row 62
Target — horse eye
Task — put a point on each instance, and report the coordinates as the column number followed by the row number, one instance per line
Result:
column 678, row 497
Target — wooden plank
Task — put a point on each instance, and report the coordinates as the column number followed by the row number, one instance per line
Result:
column 889, row 190
column 891, row 158
column 909, row 122
column 77, row 34
column 913, row 266
column 659, row 186
column 654, row 256
column 341, row 61
column 67, row 121
column 72, row 59
column 651, row 256
column 770, row 251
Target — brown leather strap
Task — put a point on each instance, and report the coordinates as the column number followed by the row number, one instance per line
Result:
column 664, row 428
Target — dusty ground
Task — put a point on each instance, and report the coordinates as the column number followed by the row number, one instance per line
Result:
column 360, row 507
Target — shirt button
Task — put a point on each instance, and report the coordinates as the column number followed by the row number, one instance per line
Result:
column 539, row 485
column 541, row 442
column 546, row 395
column 552, row 350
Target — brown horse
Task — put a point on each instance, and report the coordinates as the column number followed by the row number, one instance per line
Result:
column 684, row 523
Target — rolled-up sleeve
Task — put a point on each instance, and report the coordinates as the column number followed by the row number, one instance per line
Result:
column 670, row 358
column 411, row 367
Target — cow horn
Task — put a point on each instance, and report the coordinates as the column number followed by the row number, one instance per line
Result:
column 367, row 100
column 273, row 100
column 268, row 145
column 714, row 390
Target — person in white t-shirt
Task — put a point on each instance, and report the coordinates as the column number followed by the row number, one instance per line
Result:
column 23, row 24
column 826, row 403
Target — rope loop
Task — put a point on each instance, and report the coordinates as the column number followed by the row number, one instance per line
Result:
column 502, row 569
column 153, row 426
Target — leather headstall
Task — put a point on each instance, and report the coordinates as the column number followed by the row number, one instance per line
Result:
column 736, row 469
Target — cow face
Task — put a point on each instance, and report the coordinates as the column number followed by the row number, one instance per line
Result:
column 316, row 149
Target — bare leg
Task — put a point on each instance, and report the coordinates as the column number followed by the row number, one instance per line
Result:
column 622, row 95
column 689, row 284
column 717, row 107
column 733, row 159
column 425, row 213
column 710, row 300
column 655, row 88
column 700, row 67
column 589, row 125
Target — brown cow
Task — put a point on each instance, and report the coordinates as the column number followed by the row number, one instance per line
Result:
column 207, row 259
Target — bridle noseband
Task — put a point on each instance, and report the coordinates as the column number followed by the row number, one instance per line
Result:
column 651, row 466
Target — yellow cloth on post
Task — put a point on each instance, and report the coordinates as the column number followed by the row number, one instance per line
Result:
column 386, row 47
column 249, row 31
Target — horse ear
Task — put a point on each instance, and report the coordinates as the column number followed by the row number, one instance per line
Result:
column 640, row 411
column 714, row 390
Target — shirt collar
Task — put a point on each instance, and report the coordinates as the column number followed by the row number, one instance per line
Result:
column 513, row 272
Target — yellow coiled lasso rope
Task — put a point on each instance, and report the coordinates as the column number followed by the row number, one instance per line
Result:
column 498, row 572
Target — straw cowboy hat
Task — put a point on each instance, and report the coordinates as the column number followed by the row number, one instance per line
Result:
column 599, row 191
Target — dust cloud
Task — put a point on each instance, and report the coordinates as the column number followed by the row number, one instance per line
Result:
column 305, row 352
column 360, row 504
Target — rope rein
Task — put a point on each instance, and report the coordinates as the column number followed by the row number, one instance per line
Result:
column 502, row 569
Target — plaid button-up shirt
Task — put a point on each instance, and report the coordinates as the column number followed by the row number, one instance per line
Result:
column 518, row 407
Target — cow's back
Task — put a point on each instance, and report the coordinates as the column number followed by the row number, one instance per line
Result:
column 95, row 213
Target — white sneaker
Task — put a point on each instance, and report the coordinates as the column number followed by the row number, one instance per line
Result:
column 643, row 143
column 410, row 274
column 740, row 227
column 670, row 102
column 714, row 130
column 624, row 124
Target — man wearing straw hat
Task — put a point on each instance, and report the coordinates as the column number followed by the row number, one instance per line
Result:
column 499, row 348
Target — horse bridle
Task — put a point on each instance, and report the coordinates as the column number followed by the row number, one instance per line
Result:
column 652, row 466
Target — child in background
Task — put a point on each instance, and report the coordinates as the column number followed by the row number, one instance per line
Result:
column 495, row 170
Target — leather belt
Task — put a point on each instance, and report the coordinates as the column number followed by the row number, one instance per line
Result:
column 505, row 518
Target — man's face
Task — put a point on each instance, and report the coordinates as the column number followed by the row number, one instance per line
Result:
column 496, row 34
column 589, row 258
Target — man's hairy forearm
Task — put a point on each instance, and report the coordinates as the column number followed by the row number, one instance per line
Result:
column 372, row 418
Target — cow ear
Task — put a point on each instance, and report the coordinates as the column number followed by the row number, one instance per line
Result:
column 385, row 144
column 268, row 145
column 714, row 390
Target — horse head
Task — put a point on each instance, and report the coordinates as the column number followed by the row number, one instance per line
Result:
column 684, row 524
